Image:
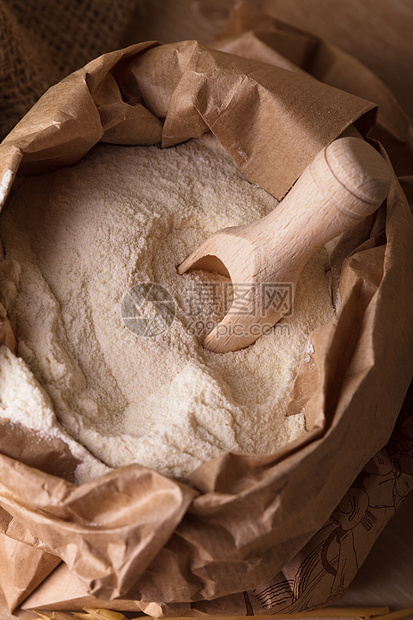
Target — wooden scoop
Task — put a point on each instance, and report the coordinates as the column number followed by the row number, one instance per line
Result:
column 345, row 182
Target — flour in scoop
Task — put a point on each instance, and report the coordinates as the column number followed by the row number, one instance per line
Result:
column 110, row 336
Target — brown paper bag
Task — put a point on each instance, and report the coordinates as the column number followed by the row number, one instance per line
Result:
column 210, row 546
column 37, row 566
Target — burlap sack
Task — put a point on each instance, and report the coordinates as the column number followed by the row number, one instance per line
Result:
column 303, row 515
column 41, row 41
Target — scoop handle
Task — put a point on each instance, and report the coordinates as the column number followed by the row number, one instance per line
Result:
column 345, row 182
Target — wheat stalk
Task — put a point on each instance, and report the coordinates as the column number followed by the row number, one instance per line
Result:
column 376, row 613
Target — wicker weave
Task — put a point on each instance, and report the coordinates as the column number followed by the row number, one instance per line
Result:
column 41, row 41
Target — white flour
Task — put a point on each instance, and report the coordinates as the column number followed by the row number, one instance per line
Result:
column 76, row 241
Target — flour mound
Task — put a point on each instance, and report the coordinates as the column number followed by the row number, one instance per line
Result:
column 76, row 241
